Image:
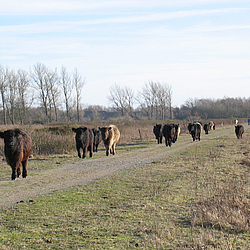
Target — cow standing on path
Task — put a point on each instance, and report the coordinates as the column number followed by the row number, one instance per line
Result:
column 17, row 149
column 110, row 137
column 158, row 132
column 169, row 134
column 84, row 139
column 239, row 130
column 195, row 130
column 97, row 139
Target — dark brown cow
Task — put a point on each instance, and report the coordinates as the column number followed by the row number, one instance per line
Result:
column 110, row 136
column 158, row 129
column 17, row 149
column 239, row 130
column 84, row 139
column 97, row 138
column 169, row 134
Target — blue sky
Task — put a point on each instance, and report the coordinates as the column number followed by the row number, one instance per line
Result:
column 200, row 48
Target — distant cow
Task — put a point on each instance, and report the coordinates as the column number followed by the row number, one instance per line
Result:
column 206, row 128
column 158, row 129
column 177, row 132
column 97, row 138
column 110, row 137
column 84, row 139
column 17, row 149
column 239, row 130
column 195, row 130
column 212, row 125
column 169, row 134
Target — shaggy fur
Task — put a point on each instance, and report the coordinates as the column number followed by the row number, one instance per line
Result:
column 84, row 139
column 17, row 149
column 110, row 137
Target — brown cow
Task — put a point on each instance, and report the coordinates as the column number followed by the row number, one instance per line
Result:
column 110, row 136
column 17, row 149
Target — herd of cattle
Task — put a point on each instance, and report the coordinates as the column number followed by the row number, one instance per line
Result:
column 18, row 143
column 171, row 131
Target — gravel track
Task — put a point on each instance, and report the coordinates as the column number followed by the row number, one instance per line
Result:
column 69, row 175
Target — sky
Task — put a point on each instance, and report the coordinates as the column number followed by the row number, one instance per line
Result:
column 200, row 48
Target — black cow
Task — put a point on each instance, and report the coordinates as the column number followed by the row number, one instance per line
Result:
column 195, row 130
column 206, row 128
column 158, row 129
column 97, row 138
column 239, row 130
column 169, row 134
column 84, row 139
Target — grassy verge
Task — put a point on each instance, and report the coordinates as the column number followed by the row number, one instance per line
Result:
column 194, row 199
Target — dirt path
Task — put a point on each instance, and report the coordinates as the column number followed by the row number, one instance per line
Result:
column 69, row 175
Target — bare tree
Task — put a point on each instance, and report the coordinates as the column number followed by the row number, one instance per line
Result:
column 122, row 99
column 155, row 100
column 53, row 93
column 39, row 83
column 78, row 83
column 11, row 100
column 22, row 85
column 3, row 89
column 67, row 88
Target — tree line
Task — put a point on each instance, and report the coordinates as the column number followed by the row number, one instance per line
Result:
column 45, row 91
column 46, row 95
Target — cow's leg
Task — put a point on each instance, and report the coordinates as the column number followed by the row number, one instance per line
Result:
column 113, row 148
column 84, row 152
column 79, row 152
column 90, row 149
column 14, row 172
column 24, row 164
column 161, row 139
column 107, row 150
column 18, row 170
column 170, row 142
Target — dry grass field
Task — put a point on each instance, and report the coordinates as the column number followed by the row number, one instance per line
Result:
column 195, row 198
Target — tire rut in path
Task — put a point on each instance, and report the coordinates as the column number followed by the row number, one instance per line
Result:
column 70, row 175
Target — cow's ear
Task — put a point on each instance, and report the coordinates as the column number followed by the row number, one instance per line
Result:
column 1, row 134
column 74, row 129
column 84, row 129
column 17, row 132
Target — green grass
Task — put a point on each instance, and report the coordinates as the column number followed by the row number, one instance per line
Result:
column 175, row 203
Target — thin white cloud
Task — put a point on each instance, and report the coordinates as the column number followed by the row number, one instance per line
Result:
column 46, row 7
column 46, row 27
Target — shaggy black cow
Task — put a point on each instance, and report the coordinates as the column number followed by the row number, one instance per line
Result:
column 169, row 134
column 97, row 138
column 206, row 128
column 17, row 150
column 239, row 130
column 195, row 130
column 84, row 139
column 158, row 129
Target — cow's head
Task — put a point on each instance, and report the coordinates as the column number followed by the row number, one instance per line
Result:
column 10, row 137
column 105, row 132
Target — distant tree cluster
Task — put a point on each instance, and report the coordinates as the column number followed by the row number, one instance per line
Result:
column 214, row 109
column 41, row 95
column 154, row 101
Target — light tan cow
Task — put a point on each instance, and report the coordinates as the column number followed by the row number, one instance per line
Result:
column 110, row 137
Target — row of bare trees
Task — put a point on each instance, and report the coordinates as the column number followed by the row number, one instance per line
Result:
column 41, row 87
column 154, row 100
